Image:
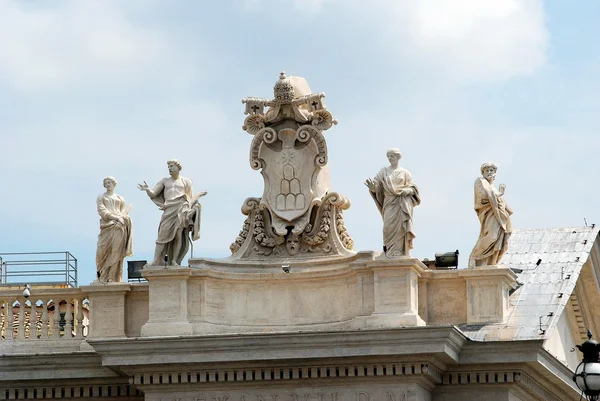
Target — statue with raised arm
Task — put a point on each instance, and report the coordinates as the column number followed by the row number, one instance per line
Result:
column 115, row 238
column 494, row 216
column 395, row 195
column 181, row 215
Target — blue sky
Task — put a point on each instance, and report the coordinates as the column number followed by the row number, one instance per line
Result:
column 96, row 88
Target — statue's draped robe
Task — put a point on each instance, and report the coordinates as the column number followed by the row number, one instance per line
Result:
column 396, row 210
column 179, row 216
column 494, row 216
column 115, row 239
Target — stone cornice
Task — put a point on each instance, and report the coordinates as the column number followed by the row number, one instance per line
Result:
column 514, row 377
column 443, row 343
column 481, row 352
column 554, row 370
column 53, row 366
column 421, row 372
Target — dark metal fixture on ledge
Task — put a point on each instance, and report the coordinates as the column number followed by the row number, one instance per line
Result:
column 443, row 261
column 587, row 374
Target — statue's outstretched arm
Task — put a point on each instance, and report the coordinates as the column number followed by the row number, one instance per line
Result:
column 152, row 193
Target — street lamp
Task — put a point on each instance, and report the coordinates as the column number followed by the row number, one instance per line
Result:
column 587, row 374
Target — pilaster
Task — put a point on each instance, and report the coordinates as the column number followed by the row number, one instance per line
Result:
column 396, row 292
column 107, row 309
column 168, row 301
column 488, row 293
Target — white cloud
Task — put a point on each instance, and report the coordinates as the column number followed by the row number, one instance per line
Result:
column 77, row 43
column 309, row 5
column 464, row 40
column 478, row 39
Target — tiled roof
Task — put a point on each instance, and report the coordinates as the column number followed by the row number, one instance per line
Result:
column 546, row 287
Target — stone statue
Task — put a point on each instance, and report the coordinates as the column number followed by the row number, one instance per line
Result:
column 115, row 238
column 395, row 195
column 181, row 215
column 494, row 216
column 298, row 215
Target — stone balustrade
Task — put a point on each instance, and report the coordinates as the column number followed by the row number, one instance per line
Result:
column 49, row 313
column 61, row 319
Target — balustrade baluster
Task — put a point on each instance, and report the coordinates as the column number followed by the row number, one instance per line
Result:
column 21, row 320
column 10, row 318
column 79, row 318
column 69, row 319
column 33, row 332
column 45, row 319
column 56, row 320
column 4, row 322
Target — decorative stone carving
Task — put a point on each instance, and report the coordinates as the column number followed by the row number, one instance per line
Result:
column 296, row 215
column 395, row 195
column 115, row 238
column 181, row 215
column 494, row 215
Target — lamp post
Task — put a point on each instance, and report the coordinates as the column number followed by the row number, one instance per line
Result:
column 587, row 374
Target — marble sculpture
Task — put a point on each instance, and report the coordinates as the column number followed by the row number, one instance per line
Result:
column 494, row 215
column 181, row 215
column 115, row 238
column 395, row 195
column 297, row 215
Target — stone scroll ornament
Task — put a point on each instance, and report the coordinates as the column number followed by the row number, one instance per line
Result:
column 297, row 215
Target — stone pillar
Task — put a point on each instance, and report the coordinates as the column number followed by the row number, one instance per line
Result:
column 168, row 301
column 396, row 292
column 487, row 293
column 107, row 309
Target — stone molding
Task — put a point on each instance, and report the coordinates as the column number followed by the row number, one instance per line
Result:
column 65, row 391
column 443, row 343
column 318, row 371
column 61, row 376
column 502, row 377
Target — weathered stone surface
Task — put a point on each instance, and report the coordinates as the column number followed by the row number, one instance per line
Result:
column 181, row 215
column 115, row 240
column 395, row 195
column 494, row 215
column 297, row 216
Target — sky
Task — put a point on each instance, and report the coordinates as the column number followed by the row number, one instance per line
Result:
column 95, row 88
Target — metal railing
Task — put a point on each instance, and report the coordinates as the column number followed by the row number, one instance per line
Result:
column 38, row 268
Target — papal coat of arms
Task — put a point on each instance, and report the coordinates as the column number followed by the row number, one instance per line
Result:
column 297, row 214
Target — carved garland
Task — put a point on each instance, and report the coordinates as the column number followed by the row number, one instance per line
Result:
column 324, row 216
column 239, row 241
column 260, row 236
column 345, row 237
column 324, row 227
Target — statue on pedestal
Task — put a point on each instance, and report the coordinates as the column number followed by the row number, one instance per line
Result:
column 297, row 214
column 395, row 195
column 494, row 215
column 181, row 215
column 115, row 238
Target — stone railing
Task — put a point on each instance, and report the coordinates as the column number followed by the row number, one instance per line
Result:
column 49, row 313
column 55, row 319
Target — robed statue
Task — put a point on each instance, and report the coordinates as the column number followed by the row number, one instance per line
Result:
column 115, row 237
column 395, row 195
column 494, row 215
column 180, row 218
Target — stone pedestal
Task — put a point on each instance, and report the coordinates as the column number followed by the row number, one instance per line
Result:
column 107, row 309
column 487, row 293
column 396, row 292
column 231, row 296
column 168, row 298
